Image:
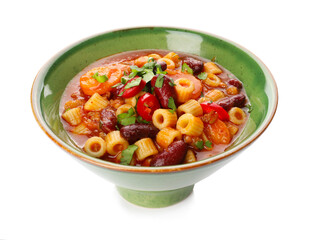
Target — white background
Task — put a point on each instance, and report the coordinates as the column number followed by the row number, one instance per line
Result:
column 266, row 193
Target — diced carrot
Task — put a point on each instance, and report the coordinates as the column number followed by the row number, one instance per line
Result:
column 219, row 132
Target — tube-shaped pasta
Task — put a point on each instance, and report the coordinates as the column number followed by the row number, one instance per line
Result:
column 184, row 88
column 163, row 118
column 145, row 148
column 173, row 56
column 210, row 67
column 96, row 103
column 237, row 115
column 95, row 147
column 192, row 106
column 73, row 116
column 115, row 142
column 190, row 157
column 232, row 90
column 167, row 135
column 170, row 64
column 133, row 100
column 212, row 80
column 190, row 125
column 215, row 95
column 232, row 128
column 81, row 129
column 203, row 99
column 123, row 109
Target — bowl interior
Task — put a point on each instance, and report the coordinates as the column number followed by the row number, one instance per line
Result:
column 55, row 75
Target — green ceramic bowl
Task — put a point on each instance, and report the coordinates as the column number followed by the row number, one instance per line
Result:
column 157, row 186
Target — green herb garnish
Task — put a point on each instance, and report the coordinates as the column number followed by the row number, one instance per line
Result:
column 171, row 83
column 159, row 81
column 100, row 79
column 123, row 80
column 199, row 144
column 141, row 120
column 127, row 118
column 250, row 108
column 203, row 76
column 213, row 59
column 127, row 154
column 208, row 144
column 121, row 93
column 133, row 83
column 185, row 67
column 116, row 85
column 148, row 75
column 171, row 105
column 159, row 69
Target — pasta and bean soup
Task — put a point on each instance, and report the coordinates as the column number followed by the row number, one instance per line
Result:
column 154, row 108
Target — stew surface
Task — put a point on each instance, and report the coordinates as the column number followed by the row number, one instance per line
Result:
column 154, row 108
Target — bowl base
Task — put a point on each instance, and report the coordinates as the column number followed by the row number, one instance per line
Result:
column 155, row 199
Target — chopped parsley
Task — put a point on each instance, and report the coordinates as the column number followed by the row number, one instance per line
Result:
column 159, row 69
column 199, row 145
column 208, row 144
column 148, row 75
column 171, row 83
column 159, row 81
column 121, row 93
column 123, row 80
column 116, row 85
column 127, row 154
column 146, row 71
column 203, row 76
column 171, row 104
column 250, row 108
column 127, row 118
column 133, row 83
column 100, row 79
column 185, row 67
column 141, row 120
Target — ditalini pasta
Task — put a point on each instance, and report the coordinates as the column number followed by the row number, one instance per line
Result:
column 154, row 108
column 95, row 146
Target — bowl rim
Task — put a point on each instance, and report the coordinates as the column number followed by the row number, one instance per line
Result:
column 35, row 105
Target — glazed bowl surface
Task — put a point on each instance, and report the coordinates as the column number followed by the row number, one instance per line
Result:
column 154, row 186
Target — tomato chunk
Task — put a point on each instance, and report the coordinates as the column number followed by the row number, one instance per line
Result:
column 210, row 106
column 146, row 106
column 132, row 91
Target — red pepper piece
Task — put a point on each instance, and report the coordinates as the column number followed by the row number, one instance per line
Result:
column 146, row 106
column 209, row 106
column 131, row 92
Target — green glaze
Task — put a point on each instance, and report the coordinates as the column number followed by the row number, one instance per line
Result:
column 56, row 74
column 155, row 199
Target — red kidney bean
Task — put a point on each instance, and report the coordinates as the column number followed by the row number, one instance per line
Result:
column 233, row 101
column 163, row 65
column 115, row 91
column 108, row 120
column 165, row 92
column 174, row 154
column 235, row 83
column 134, row 132
column 194, row 64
